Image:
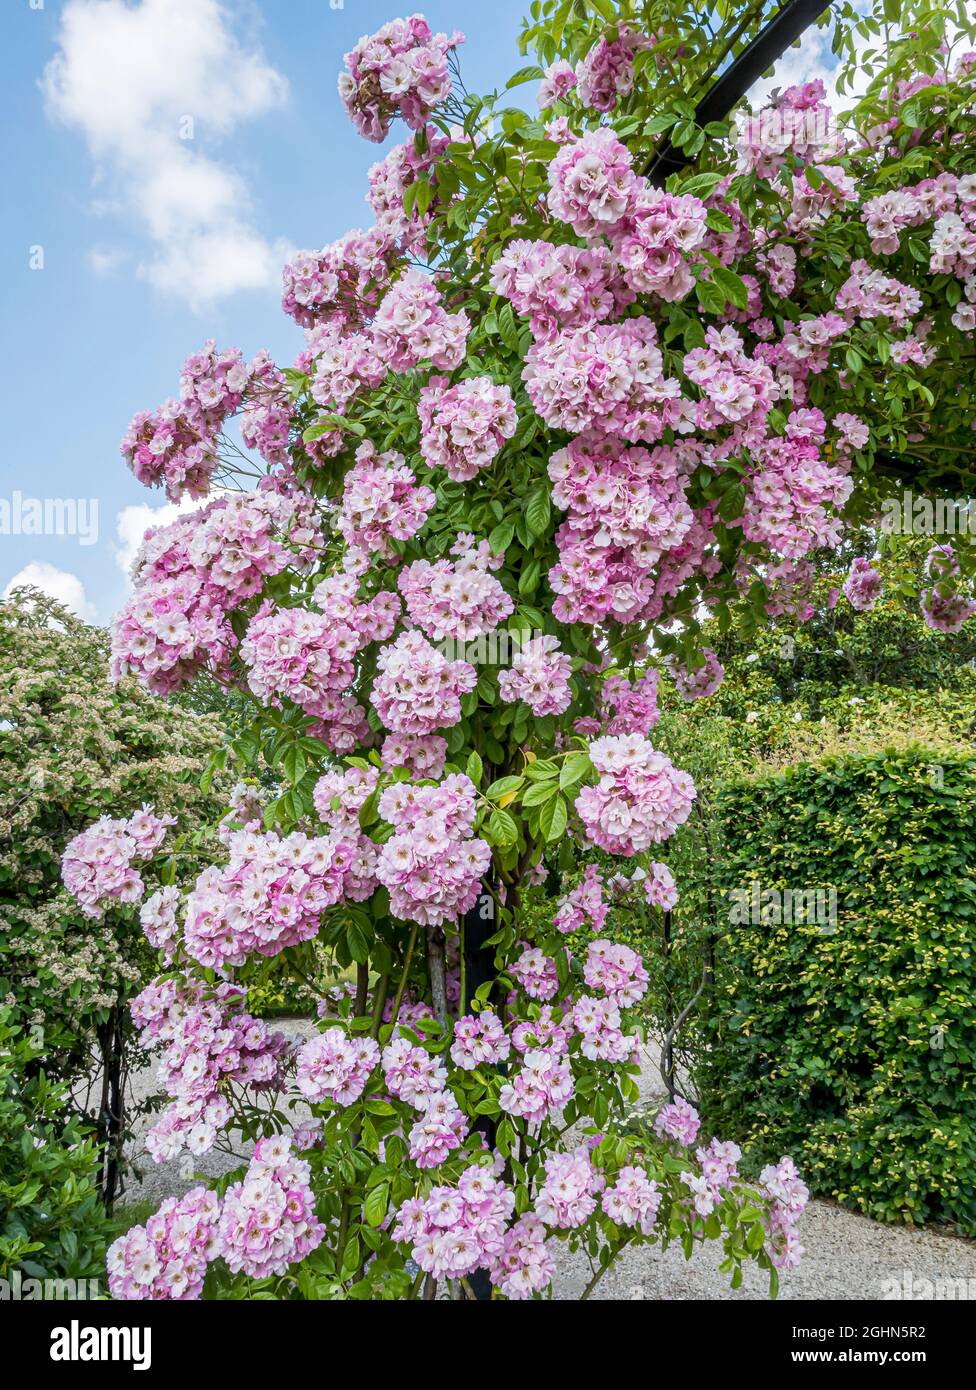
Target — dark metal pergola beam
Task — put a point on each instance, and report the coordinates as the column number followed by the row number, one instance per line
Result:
column 770, row 43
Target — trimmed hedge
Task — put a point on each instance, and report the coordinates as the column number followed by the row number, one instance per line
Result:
column 853, row 1049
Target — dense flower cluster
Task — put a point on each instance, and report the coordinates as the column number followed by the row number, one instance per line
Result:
column 539, row 675
column 401, row 70
column 640, row 799
column 609, row 377
column 417, row 690
column 653, row 245
column 97, row 865
column 479, row 1040
column 584, row 904
column 943, row 607
column 458, row 1229
column 567, row 1197
column 168, row 1257
column 421, row 755
column 698, row 682
column 463, row 427
column 793, row 500
column 607, row 71
column 268, row 1221
column 627, row 507
column 789, row 1193
column 525, row 1264
column 440, row 1128
column 157, row 917
column 717, row 1172
column 633, row 1200
column 459, row 600
column 431, row 865
column 412, row 1074
column 207, row 1040
column 616, row 970
column 338, row 797
column 342, row 363
column 678, row 1120
column 191, row 575
column 862, row 586
column 300, row 656
column 411, row 326
column 591, row 183
column 542, row 1086
column 659, row 887
column 797, row 123
column 341, row 283
column 334, row 1067
column 869, row 294
column 381, row 500
column 536, row 973
column 271, row 893
column 176, row 445
column 164, row 449
column 601, row 1033
column 558, row 287
column 630, row 707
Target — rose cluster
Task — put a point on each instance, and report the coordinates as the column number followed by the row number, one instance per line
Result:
column 539, row 675
column 641, row 797
column 417, row 690
column 463, row 427
column 272, row 892
column 168, row 1257
column 332, row 1066
column 432, row 865
column 207, row 1041
column 268, row 1221
column 96, row 867
column 460, row 600
column 401, row 70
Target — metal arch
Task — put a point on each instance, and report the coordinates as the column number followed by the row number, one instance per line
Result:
column 770, row 43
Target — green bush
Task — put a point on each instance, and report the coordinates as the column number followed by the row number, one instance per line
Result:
column 852, row 1048
column 52, row 1224
column 73, row 748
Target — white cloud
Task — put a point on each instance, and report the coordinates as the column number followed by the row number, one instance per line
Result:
column 67, row 589
column 810, row 59
column 137, row 80
column 105, row 261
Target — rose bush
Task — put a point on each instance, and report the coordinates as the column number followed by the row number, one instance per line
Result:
column 542, row 392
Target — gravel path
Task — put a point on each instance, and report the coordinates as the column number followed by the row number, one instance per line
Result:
column 847, row 1256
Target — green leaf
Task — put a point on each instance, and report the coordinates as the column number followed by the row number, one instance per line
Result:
column 539, row 793
column 529, row 580
column 501, row 537
column 537, row 511
column 502, row 829
column 523, row 75
column 575, row 767
column 504, row 786
column 474, row 768
column 325, row 424
column 553, row 818
column 376, row 1204
column 732, row 286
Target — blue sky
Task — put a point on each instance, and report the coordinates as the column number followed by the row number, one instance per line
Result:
column 101, row 329
column 145, row 243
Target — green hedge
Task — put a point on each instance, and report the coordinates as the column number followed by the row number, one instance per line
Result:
column 853, row 1048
